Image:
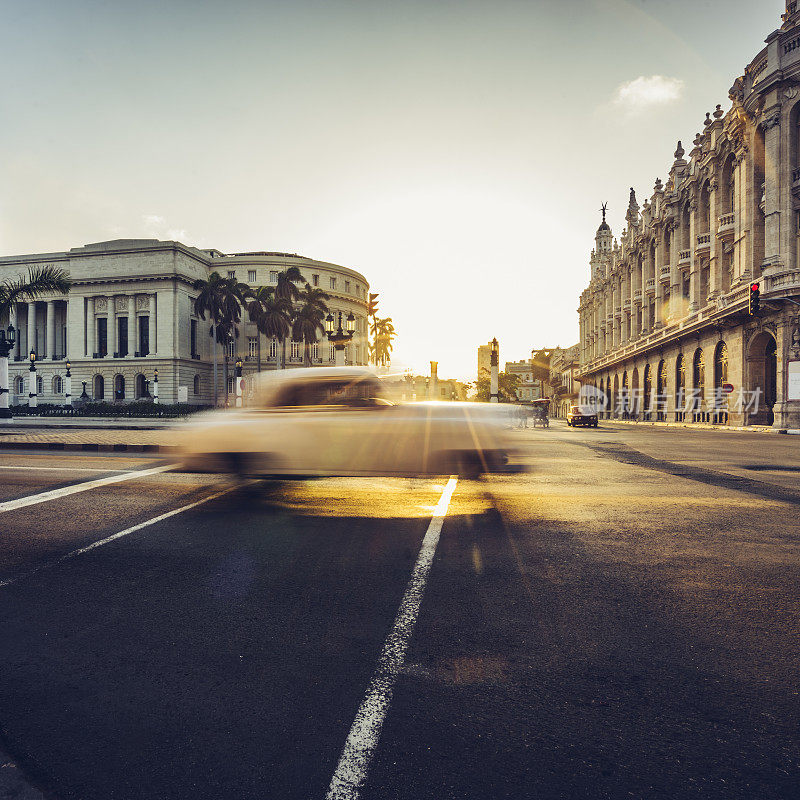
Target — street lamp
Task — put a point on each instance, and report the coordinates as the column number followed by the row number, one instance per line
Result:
column 239, row 381
column 8, row 339
column 32, row 396
column 68, row 385
column 340, row 331
column 155, row 388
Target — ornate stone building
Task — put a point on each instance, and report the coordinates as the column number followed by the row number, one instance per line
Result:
column 131, row 311
column 664, row 322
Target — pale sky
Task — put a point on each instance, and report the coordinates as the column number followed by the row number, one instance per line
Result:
column 454, row 151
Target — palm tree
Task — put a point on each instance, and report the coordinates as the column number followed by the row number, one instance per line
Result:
column 372, row 314
column 273, row 318
column 255, row 310
column 309, row 318
column 384, row 336
column 38, row 281
column 286, row 289
column 222, row 299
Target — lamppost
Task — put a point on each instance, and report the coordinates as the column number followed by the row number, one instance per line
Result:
column 339, row 335
column 494, row 362
column 8, row 339
column 68, row 386
column 239, row 381
column 32, row 397
column 155, row 388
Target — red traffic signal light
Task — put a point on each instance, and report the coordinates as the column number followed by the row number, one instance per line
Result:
column 754, row 300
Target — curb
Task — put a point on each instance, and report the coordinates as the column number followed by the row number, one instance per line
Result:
column 700, row 426
column 87, row 447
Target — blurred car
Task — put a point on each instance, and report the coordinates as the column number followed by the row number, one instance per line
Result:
column 338, row 421
column 578, row 416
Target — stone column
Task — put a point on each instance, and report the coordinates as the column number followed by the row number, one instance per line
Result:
column 694, row 273
column 91, row 328
column 772, row 164
column 32, row 328
column 51, row 330
column 675, row 288
column 15, row 322
column 715, row 254
column 112, row 324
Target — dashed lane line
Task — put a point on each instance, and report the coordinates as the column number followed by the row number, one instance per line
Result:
column 55, row 494
column 94, row 545
column 362, row 741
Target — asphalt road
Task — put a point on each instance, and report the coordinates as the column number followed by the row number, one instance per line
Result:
column 619, row 622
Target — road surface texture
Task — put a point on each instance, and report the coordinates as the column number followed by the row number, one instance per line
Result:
column 619, row 622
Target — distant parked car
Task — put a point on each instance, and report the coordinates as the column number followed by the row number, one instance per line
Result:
column 578, row 417
column 337, row 421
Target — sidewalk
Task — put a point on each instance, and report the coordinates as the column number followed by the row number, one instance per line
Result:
column 88, row 439
column 704, row 426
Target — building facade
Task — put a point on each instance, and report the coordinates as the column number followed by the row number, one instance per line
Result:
column 484, row 360
column 130, row 311
column 565, row 382
column 665, row 331
column 533, row 375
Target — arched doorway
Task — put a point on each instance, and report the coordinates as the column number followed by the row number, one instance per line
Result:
column 616, row 411
column 99, row 388
column 119, row 387
column 635, row 401
column 680, row 388
column 720, row 379
column 762, row 380
column 648, row 392
column 141, row 391
column 661, row 392
column 699, row 413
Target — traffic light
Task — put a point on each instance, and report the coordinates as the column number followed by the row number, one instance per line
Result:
column 755, row 295
column 372, row 309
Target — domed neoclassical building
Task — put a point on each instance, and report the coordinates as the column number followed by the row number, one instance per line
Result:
column 664, row 324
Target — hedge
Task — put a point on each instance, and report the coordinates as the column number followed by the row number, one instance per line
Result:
column 136, row 409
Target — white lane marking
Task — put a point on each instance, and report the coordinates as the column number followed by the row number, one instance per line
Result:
column 55, row 494
column 80, row 551
column 62, row 469
column 362, row 741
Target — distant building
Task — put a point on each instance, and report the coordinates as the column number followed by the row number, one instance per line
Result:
column 565, row 386
column 534, row 374
column 420, row 388
column 484, row 360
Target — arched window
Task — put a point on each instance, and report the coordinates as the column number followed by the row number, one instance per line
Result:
column 19, row 385
column 39, row 385
column 698, row 380
column 196, row 387
column 648, row 388
column 119, row 387
column 625, row 399
column 680, row 383
column 141, row 387
column 58, row 385
column 99, row 390
column 720, row 366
